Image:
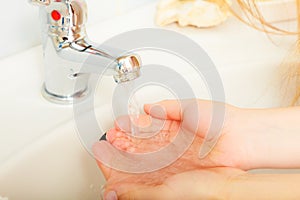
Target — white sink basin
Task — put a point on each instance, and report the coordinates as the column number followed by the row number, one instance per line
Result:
column 57, row 166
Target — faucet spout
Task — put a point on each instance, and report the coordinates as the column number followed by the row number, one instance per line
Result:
column 122, row 66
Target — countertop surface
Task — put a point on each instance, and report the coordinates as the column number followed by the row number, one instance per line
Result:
column 25, row 116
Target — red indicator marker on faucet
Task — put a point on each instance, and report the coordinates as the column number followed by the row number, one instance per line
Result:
column 55, row 15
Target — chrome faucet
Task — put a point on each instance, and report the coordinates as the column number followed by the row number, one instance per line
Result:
column 66, row 47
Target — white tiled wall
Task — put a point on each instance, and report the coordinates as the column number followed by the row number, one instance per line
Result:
column 20, row 26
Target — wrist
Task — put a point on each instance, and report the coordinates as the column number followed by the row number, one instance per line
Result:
column 249, row 128
column 270, row 137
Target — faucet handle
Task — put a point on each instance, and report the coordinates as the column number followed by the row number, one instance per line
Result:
column 73, row 12
column 40, row 2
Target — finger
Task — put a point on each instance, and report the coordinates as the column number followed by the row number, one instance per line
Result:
column 150, row 193
column 99, row 152
column 138, row 192
column 175, row 109
column 111, row 135
column 196, row 115
column 145, row 127
column 110, row 157
column 125, row 122
column 168, row 109
column 185, row 111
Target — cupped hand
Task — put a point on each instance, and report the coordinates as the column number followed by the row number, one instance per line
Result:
column 158, row 129
column 229, row 146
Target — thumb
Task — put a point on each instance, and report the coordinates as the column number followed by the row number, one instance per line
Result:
column 168, row 109
column 192, row 112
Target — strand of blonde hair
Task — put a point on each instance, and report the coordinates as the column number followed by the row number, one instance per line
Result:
column 255, row 19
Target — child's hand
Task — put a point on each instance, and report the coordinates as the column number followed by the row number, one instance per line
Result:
column 249, row 139
column 159, row 132
column 165, row 120
column 212, row 183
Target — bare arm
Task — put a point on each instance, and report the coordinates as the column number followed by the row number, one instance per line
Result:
column 219, row 184
column 274, row 137
column 256, row 138
column 264, row 186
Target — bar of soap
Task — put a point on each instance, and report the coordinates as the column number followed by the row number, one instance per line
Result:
column 199, row 13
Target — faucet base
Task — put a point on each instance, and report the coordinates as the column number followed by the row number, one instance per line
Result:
column 64, row 100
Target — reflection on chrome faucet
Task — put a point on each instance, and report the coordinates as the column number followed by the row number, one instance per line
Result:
column 66, row 47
